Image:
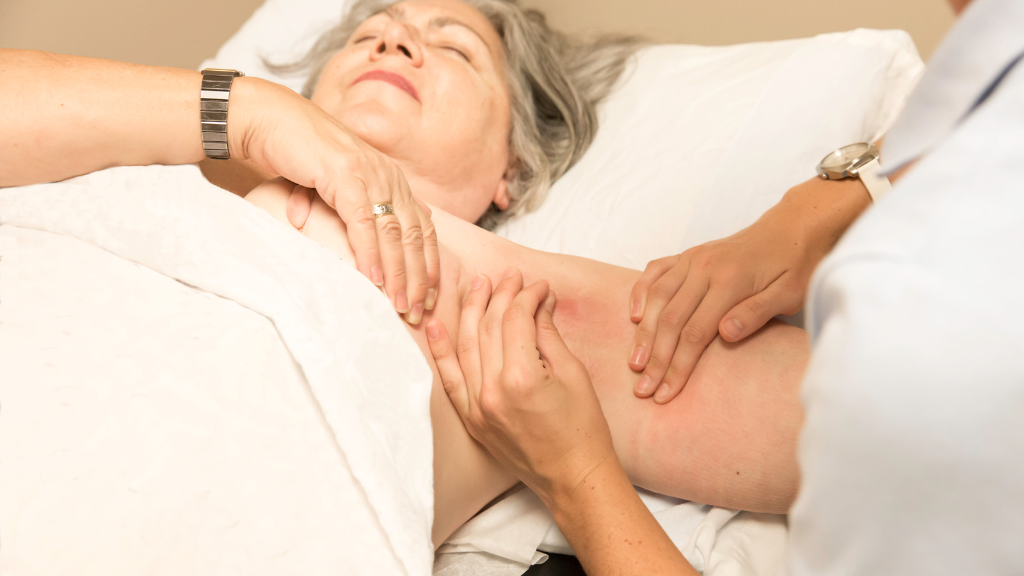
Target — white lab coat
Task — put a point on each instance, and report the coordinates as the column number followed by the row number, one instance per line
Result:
column 912, row 454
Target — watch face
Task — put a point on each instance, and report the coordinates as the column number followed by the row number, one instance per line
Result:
column 845, row 156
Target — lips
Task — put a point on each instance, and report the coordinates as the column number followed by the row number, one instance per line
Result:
column 391, row 78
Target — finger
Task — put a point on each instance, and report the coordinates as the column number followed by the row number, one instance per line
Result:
column 549, row 342
column 671, row 323
column 519, row 327
column 638, row 296
column 432, row 253
column 411, row 218
column 659, row 296
column 491, row 349
column 468, row 348
column 356, row 211
column 389, row 236
column 695, row 336
column 449, row 369
column 300, row 204
column 750, row 315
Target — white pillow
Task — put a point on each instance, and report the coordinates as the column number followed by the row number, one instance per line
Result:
column 700, row 141
column 695, row 144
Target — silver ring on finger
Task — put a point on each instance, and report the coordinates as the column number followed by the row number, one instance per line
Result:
column 383, row 209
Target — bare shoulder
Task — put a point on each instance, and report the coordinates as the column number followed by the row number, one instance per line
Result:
column 323, row 225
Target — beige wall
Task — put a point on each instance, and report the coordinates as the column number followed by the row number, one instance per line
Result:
column 183, row 32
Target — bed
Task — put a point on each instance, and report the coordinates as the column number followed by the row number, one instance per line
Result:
column 189, row 387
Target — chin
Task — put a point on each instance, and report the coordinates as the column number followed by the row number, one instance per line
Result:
column 377, row 124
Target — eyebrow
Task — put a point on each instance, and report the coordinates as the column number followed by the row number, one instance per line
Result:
column 396, row 12
column 445, row 21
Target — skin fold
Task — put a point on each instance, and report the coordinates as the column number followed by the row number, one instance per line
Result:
column 728, row 439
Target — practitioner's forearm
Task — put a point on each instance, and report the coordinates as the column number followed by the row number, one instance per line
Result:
column 63, row 116
column 610, row 529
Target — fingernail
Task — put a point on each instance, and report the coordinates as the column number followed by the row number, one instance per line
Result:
column 645, row 386
column 432, row 331
column 639, row 357
column 733, row 328
column 431, row 298
column 376, row 276
column 661, row 396
column 549, row 302
column 478, row 282
column 416, row 314
column 402, row 302
column 509, row 273
column 635, row 312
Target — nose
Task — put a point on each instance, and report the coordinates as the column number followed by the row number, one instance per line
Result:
column 398, row 40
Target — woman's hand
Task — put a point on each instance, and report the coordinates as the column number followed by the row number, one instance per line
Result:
column 735, row 285
column 519, row 390
column 285, row 134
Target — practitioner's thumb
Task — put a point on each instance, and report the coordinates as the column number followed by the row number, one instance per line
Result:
column 300, row 204
column 549, row 342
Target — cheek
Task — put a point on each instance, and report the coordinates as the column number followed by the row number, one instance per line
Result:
column 333, row 81
column 470, row 113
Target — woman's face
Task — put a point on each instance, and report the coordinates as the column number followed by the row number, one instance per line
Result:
column 424, row 83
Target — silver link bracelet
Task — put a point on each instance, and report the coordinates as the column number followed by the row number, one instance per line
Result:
column 213, row 111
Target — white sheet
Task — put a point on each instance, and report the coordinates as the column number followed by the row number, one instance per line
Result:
column 178, row 397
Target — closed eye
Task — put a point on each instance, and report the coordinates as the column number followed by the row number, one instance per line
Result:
column 457, row 51
column 363, row 39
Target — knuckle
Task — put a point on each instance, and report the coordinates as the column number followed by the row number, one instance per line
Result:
column 671, row 318
column 756, row 307
column 513, row 314
column 490, row 406
column 412, row 235
column 491, row 324
column 465, row 347
column 706, row 261
column 450, row 384
column 429, row 232
column 391, row 230
column 693, row 334
column 513, row 378
column 662, row 291
column 644, row 335
column 361, row 215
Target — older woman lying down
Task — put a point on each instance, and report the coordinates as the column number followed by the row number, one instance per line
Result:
column 424, row 82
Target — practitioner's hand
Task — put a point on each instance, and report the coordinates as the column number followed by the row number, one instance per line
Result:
column 735, row 285
column 520, row 392
column 285, row 134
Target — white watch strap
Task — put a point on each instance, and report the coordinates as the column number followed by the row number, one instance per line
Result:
column 871, row 175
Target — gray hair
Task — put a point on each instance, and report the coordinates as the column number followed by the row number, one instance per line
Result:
column 555, row 82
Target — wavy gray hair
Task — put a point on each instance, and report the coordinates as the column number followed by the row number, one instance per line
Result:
column 555, row 82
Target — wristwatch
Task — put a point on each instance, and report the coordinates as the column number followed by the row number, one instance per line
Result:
column 213, row 111
column 856, row 161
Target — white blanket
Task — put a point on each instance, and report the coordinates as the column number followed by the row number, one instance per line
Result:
column 178, row 397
